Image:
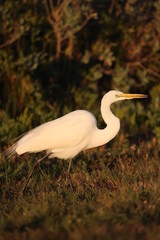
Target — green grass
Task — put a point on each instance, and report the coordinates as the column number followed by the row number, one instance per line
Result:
column 117, row 196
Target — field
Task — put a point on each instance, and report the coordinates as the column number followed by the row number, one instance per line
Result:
column 57, row 56
column 116, row 196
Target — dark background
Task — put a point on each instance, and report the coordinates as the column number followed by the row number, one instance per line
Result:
column 57, row 56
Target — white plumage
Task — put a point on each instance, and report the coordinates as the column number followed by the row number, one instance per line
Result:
column 66, row 136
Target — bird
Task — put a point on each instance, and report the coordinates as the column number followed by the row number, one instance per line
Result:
column 66, row 136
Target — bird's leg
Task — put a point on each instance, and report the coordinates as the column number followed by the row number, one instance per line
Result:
column 68, row 174
column 30, row 175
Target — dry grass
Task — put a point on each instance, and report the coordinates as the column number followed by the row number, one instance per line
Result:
column 117, row 196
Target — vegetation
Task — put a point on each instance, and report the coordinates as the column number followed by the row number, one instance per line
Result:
column 61, row 55
column 116, row 194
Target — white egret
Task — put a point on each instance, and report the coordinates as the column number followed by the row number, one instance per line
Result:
column 66, row 136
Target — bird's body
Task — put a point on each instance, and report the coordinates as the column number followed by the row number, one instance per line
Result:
column 63, row 137
column 66, row 136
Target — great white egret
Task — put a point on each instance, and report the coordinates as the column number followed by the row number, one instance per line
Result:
column 66, row 136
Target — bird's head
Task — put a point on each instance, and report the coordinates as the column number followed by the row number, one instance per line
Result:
column 114, row 96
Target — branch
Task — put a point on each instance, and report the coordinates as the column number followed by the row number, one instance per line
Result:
column 11, row 41
column 136, row 63
column 92, row 15
column 51, row 21
column 53, row 11
column 150, row 71
column 62, row 7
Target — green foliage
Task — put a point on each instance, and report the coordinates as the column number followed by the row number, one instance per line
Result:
column 103, row 46
column 154, row 113
column 58, row 57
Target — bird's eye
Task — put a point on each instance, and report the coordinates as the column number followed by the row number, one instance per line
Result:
column 117, row 96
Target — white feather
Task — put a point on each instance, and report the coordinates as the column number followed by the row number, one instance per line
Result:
column 66, row 136
column 58, row 135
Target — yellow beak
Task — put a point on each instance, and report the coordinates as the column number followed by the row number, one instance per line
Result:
column 131, row 96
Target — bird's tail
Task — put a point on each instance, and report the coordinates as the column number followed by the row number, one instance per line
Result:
column 9, row 152
column 12, row 149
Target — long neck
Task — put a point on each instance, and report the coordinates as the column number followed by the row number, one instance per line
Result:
column 102, row 136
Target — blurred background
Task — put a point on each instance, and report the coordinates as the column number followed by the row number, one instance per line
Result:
column 60, row 55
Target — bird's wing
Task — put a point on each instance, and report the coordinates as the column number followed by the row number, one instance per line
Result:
column 64, row 132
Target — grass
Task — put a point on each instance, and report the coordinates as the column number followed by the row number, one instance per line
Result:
column 117, row 196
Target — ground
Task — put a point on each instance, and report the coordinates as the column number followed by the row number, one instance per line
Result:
column 116, row 196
